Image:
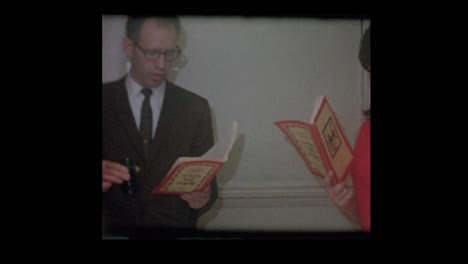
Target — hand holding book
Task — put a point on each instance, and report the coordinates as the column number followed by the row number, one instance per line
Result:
column 343, row 196
column 197, row 199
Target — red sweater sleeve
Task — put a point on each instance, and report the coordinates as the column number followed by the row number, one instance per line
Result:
column 361, row 174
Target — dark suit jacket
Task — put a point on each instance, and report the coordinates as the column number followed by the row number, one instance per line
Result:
column 184, row 129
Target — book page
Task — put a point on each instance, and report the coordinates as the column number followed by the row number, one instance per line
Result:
column 220, row 151
column 189, row 176
column 300, row 135
column 335, row 144
column 317, row 103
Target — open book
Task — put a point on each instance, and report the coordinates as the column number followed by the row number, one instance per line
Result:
column 189, row 174
column 321, row 143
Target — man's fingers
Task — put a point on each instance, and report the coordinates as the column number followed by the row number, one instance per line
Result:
column 201, row 194
column 185, row 196
column 196, row 205
column 195, row 197
column 198, row 197
column 114, row 165
column 111, row 178
column 117, row 173
column 115, row 170
column 106, row 186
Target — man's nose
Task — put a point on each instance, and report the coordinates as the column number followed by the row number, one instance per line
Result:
column 161, row 61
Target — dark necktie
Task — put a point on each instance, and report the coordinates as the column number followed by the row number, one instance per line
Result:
column 146, row 121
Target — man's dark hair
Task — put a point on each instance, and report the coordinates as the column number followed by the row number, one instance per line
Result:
column 134, row 24
column 365, row 50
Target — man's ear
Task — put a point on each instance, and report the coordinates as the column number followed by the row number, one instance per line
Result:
column 128, row 47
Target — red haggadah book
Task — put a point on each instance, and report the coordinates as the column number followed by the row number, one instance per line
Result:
column 321, row 143
column 189, row 174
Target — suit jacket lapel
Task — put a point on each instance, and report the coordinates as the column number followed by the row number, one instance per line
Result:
column 126, row 116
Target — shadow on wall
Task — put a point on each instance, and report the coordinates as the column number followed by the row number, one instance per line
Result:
column 225, row 174
column 229, row 169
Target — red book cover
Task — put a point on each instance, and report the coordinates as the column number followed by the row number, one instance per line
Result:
column 321, row 143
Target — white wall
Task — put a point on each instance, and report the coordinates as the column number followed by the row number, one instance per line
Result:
column 113, row 58
column 257, row 71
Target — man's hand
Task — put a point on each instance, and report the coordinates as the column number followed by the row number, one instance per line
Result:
column 113, row 172
column 197, row 199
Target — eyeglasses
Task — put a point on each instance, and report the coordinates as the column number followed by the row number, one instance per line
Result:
column 169, row 54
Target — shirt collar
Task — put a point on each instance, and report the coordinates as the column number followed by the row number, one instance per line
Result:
column 134, row 88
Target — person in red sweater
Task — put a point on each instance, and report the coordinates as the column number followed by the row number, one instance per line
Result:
column 355, row 202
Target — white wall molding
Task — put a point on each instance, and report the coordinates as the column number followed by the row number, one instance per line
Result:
column 272, row 194
column 295, row 205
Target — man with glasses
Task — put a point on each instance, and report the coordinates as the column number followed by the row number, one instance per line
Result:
column 153, row 122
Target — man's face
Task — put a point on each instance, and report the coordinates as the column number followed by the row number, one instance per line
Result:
column 153, row 36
